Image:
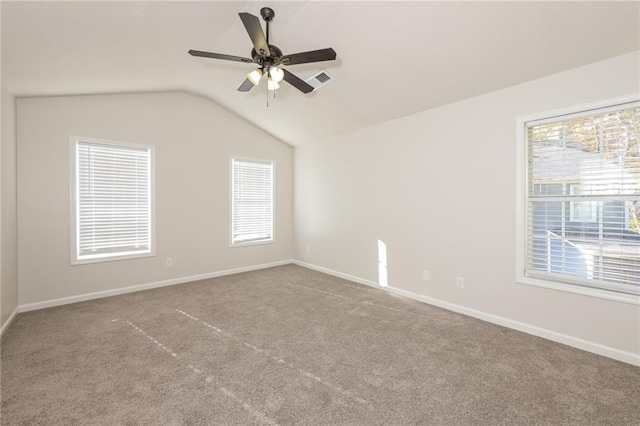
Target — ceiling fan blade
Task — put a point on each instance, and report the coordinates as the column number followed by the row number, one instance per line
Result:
column 311, row 56
column 219, row 56
column 245, row 86
column 253, row 27
column 297, row 82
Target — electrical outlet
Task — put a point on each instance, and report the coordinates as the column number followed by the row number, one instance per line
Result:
column 168, row 262
column 426, row 275
column 459, row 282
column 307, row 249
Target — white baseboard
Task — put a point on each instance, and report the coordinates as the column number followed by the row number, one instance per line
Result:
column 107, row 293
column 8, row 322
column 596, row 348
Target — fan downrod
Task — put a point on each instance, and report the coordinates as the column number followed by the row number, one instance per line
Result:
column 267, row 13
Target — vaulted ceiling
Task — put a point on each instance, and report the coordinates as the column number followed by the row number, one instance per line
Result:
column 393, row 58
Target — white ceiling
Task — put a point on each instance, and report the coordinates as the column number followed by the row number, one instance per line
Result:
column 394, row 58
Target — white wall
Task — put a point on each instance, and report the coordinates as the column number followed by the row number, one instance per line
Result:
column 8, row 225
column 438, row 188
column 194, row 139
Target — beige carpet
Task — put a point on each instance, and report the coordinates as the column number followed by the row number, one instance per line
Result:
column 292, row 346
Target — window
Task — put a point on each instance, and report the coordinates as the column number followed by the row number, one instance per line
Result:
column 112, row 205
column 251, row 201
column 582, row 207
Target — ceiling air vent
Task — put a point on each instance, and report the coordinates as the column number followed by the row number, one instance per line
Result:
column 319, row 79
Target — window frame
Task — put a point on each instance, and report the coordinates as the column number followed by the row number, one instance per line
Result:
column 75, row 259
column 522, row 205
column 271, row 240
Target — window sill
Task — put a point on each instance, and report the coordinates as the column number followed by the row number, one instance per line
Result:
column 110, row 258
column 585, row 291
column 251, row 243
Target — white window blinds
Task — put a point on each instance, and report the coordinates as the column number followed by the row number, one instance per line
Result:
column 583, row 199
column 251, row 201
column 113, row 200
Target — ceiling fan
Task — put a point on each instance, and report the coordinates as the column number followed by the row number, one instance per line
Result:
column 269, row 57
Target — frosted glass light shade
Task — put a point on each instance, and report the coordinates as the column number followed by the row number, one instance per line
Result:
column 276, row 74
column 255, row 76
column 272, row 84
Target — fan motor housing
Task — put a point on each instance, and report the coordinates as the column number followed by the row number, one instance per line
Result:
column 274, row 58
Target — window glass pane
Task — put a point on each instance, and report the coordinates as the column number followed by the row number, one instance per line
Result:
column 582, row 211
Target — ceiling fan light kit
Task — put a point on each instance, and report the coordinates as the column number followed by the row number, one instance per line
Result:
column 269, row 57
